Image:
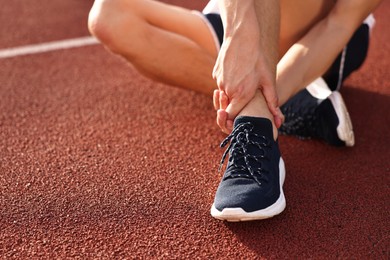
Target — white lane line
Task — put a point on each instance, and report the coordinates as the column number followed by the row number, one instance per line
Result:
column 47, row 46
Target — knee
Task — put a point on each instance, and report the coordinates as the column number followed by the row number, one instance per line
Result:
column 108, row 19
column 100, row 20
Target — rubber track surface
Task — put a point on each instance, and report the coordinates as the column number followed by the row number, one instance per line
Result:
column 97, row 161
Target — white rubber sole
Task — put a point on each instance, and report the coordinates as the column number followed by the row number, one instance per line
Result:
column 238, row 214
column 344, row 129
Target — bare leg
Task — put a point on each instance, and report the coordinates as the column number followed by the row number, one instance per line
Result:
column 173, row 45
column 167, row 43
column 296, row 19
column 268, row 14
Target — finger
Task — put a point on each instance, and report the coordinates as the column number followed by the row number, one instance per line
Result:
column 273, row 104
column 223, row 100
column 235, row 106
column 279, row 119
column 221, row 120
column 271, row 99
column 282, row 116
column 216, row 99
column 229, row 125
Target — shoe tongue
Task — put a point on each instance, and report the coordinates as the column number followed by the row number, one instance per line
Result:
column 262, row 126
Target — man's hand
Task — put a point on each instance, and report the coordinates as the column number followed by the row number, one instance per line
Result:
column 245, row 62
column 220, row 104
column 234, row 75
column 239, row 72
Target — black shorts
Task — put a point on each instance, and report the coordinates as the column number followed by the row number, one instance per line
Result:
column 349, row 60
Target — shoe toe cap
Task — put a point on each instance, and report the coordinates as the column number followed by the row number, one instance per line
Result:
column 246, row 194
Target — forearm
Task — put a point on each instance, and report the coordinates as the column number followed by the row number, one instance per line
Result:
column 253, row 22
column 238, row 17
column 247, row 60
column 240, row 49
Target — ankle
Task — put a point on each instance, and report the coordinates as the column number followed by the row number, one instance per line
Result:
column 257, row 107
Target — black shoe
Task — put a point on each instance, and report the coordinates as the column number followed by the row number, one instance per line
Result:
column 309, row 117
column 251, row 187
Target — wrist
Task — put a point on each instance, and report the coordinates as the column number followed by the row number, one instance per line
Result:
column 239, row 18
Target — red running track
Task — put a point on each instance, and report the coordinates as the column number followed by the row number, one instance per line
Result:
column 97, row 161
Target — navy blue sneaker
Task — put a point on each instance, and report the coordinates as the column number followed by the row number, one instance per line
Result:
column 251, row 187
column 322, row 117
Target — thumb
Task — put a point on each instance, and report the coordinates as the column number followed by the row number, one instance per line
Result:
column 235, row 106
